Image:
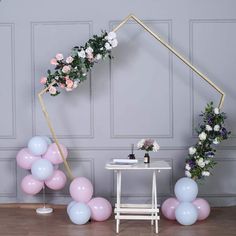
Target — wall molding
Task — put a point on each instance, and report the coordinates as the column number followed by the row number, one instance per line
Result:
column 113, row 135
column 191, row 57
column 13, row 87
column 33, row 66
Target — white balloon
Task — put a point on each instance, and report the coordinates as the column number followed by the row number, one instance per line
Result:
column 80, row 213
column 186, row 213
column 186, row 190
column 42, row 169
column 37, row 145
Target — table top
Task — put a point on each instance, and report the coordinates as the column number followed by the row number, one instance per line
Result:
column 154, row 165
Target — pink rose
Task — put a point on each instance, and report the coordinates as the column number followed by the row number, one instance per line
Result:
column 52, row 90
column 54, row 61
column 43, row 80
column 69, row 59
column 69, row 83
column 90, row 55
column 62, row 86
column 65, row 69
column 59, row 56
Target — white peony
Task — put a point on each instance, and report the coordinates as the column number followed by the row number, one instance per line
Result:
column 208, row 128
column 216, row 110
column 202, row 136
column 81, row 54
column 216, row 128
column 114, row 43
column 108, row 46
column 187, row 167
column 188, row 174
column 200, row 162
column 98, row 57
column 207, row 162
column 192, row 150
column 205, row 173
column 141, row 143
column 156, row 147
column 89, row 50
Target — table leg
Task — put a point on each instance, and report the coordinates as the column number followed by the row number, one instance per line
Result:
column 153, row 177
column 155, row 200
column 118, row 196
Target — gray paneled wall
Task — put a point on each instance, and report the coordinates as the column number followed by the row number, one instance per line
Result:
column 144, row 92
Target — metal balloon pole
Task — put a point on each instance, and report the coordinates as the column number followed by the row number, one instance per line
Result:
column 44, row 210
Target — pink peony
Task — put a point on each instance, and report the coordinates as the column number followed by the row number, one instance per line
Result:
column 43, row 80
column 69, row 59
column 52, row 90
column 59, row 56
column 54, row 61
column 65, row 69
column 69, row 83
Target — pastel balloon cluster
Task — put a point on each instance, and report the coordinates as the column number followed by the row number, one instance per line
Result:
column 186, row 208
column 42, row 158
column 84, row 206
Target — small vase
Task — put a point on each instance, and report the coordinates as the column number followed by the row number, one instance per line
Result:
column 146, row 158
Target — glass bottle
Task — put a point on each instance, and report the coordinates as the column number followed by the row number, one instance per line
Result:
column 146, row 158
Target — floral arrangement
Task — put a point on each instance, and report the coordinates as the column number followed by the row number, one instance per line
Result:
column 72, row 70
column 211, row 132
column 148, row 145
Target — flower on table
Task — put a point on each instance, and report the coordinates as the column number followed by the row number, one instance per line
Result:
column 43, row 80
column 69, row 59
column 216, row 128
column 188, row 174
column 52, row 90
column 208, row 128
column 216, row 111
column 201, row 162
column 108, row 46
column 82, row 54
column 66, row 69
column 216, row 141
column 187, row 167
column 205, row 173
column 54, row 62
column 148, row 145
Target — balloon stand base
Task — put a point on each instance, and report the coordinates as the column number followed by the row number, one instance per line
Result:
column 44, row 210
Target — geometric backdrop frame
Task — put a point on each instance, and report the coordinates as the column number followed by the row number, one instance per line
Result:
column 160, row 40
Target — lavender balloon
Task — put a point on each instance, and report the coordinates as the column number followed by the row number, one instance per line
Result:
column 203, row 208
column 168, row 208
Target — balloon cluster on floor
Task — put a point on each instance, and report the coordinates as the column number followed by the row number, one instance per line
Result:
column 186, row 208
column 84, row 206
column 42, row 157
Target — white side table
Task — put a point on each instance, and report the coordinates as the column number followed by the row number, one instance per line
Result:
column 138, row 211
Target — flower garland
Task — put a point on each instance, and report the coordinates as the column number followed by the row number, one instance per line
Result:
column 73, row 70
column 211, row 131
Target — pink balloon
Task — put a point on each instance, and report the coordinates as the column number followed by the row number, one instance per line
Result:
column 57, row 181
column 101, row 209
column 25, row 159
column 203, row 208
column 168, row 208
column 30, row 185
column 81, row 189
column 53, row 154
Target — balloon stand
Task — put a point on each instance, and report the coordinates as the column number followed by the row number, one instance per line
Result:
column 44, row 210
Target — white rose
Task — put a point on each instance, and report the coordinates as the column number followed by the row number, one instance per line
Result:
column 192, row 150
column 205, row 173
column 216, row 111
column 114, row 43
column 89, row 50
column 187, row 167
column 98, row 57
column 81, row 54
column 111, row 35
column 207, row 162
column 59, row 56
column 141, row 143
column 76, row 83
column 66, row 69
column 216, row 141
column 188, row 174
column 208, row 128
column 108, row 46
column 202, row 136
column 69, row 59
column 216, row 128
column 200, row 162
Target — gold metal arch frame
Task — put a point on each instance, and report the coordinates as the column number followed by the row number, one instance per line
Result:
column 159, row 39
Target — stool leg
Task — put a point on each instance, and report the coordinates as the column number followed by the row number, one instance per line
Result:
column 118, row 199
